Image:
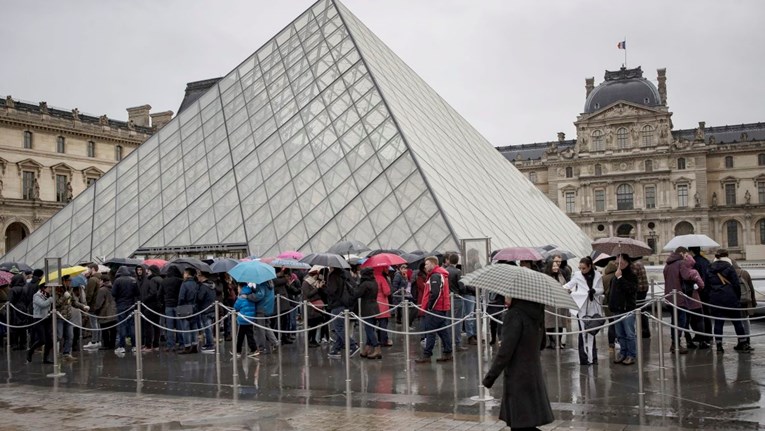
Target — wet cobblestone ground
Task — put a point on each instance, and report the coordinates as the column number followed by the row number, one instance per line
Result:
column 288, row 391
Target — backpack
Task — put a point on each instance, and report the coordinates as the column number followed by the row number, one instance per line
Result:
column 746, row 291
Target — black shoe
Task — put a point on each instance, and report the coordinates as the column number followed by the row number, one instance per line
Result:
column 313, row 344
column 48, row 362
column 743, row 348
column 692, row 345
column 703, row 345
column 720, row 348
column 447, row 357
column 493, row 341
column 422, row 360
column 287, row 341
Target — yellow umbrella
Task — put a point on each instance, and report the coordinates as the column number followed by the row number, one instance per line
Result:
column 72, row 270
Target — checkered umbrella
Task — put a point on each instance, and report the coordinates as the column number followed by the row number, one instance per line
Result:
column 522, row 283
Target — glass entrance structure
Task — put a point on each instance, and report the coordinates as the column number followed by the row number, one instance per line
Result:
column 322, row 134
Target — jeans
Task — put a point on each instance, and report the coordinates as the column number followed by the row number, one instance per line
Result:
column 170, row 325
column 371, row 332
column 125, row 329
column 66, row 335
column 383, row 333
column 96, row 330
column 189, row 338
column 338, row 327
column 207, row 321
column 468, row 306
column 263, row 335
column 625, row 333
column 719, row 320
column 682, row 318
column 430, row 323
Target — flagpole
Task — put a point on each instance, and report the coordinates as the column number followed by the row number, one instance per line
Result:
column 625, row 52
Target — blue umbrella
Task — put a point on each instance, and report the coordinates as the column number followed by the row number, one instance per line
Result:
column 223, row 265
column 252, row 271
column 78, row 281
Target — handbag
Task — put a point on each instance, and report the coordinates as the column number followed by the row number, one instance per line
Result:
column 184, row 310
column 593, row 316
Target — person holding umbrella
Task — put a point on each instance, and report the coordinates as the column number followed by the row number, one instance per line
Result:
column 622, row 299
column 586, row 285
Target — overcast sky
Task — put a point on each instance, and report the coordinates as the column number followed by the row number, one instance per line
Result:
column 515, row 70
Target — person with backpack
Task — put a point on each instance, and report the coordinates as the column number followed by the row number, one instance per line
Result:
column 748, row 301
column 149, row 285
column 724, row 295
column 205, row 300
column 187, row 306
column 341, row 295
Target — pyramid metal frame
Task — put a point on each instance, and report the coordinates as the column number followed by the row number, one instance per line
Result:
column 322, row 134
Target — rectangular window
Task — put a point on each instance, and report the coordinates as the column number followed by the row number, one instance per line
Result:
column 60, row 145
column 762, row 231
column 27, row 140
column 61, row 181
column 650, row 197
column 761, row 191
column 600, row 200
column 28, row 185
column 91, row 149
column 533, row 177
column 682, row 195
column 570, row 203
column 732, row 228
column 730, row 194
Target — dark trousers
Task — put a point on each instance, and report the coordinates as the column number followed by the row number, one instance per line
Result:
column 720, row 318
column 43, row 336
column 108, row 336
column 149, row 332
column 495, row 328
column 245, row 331
column 430, row 323
column 312, row 324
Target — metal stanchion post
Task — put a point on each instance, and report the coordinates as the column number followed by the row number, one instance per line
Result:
column 558, row 338
column 482, row 395
column 639, row 346
column 279, row 320
column 136, row 342
column 347, row 334
column 454, row 327
column 676, row 324
column 7, row 327
column 217, row 333
column 406, row 339
column 361, row 329
column 660, row 332
column 305, row 331
column 235, row 354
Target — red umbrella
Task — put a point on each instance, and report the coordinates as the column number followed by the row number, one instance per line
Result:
column 383, row 259
column 290, row 255
column 518, row 253
column 159, row 262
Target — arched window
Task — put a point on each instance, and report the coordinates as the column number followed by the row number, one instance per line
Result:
column 761, row 160
column 681, row 163
column 60, row 145
column 598, row 170
column 91, row 149
column 761, row 227
column 649, row 165
column 597, row 141
column 28, row 140
column 118, row 153
column 683, row 228
column 624, row 197
column 622, row 138
column 728, row 162
column 731, row 227
column 569, row 172
column 646, row 133
column 624, row 230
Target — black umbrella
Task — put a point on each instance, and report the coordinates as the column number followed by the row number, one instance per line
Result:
column 331, row 260
column 348, row 247
column 8, row 266
column 190, row 262
column 116, row 262
column 223, row 265
column 395, row 251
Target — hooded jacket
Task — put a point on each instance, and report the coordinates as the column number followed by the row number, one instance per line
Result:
column 383, row 292
column 724, row 295
column 104, row 305
column 206, row 297
column 125, row 289
column 41, row 304
column 264, row 297
column 436, row 295
column 368, row 291
column 149, row 286
column 677, row 271
column 91, row 289
column 171, row 287
column 245, row 307
column 310, row 292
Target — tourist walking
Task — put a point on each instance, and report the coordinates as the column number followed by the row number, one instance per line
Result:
column 585, row 285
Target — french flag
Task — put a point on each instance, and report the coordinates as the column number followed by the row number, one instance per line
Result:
column 622, row 45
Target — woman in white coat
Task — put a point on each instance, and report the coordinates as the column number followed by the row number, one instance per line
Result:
column 586, row 284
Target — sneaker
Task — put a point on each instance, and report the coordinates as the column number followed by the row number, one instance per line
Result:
column 146, row 349
column 619, row 359
column 91, row 345
column 447, row 357
column 254, row 354
column 355, row 349
column 208, row 350
column 629, row 360
column 119, row 351
column 422, row 360
column 335, row 354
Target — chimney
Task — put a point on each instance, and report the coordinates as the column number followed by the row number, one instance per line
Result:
column 139, row 115
column 662, row 78
column 589, row 85
column 160, row 119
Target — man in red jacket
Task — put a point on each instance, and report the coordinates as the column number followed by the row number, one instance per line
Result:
column 435, row 302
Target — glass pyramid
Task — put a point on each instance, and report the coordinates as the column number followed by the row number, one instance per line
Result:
column 322, row 134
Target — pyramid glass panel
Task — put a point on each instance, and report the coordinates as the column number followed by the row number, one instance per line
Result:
column 322, row 134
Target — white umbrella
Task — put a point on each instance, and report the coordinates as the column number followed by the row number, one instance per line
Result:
column 690, row 240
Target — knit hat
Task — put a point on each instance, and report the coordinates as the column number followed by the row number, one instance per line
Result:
column 38, row 273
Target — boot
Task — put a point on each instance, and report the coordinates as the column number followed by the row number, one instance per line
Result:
column 367, row 350
column 720, row 348
column 550, row 342
column 375, row 353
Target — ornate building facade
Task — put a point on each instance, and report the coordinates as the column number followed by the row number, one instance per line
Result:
column 629, row 173
column 49, row 155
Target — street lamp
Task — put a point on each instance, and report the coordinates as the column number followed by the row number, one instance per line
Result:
column 652, row 240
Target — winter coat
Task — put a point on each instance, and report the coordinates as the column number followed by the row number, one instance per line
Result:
column 624, row 289
column 286, row 289
column 125, row 289
column 454, row 280
column 312, row 294
column 149, row 289
column 580, row 290
column 677, row 271
column 171, row 287
column 702, row 266
column 369, row 294
column 607, row 279
column 524, row 397
column 383, row 293
column 436, row 295
column 4, row 295
column 188, row 293
column 419, row 287
column 65, row 302
column 549, row 318
column 264, row 296
column 91, row 289
column 245, row 307
column 16, row 298
column 30, row 289
column 104, row 305
column 206, row 297
column 41, row 304
column 398, row 288
column 723, row 295
column 748, row 299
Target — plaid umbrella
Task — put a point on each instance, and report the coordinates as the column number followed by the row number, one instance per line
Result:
column 686, row 241
column 616, row 245
column 522, row 283
column 518, row 253
column 331, row 260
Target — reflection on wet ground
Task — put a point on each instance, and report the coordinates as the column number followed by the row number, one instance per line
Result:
column 709, row 391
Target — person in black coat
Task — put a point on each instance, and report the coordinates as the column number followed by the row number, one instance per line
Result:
column 149, row 285
column 369, row 311
column 623, row 298
column 169, row 290
column 525, row 404
column 125, row 292
column 725, row 291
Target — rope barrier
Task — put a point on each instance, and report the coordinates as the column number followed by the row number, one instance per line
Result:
column 677, row 328
column 186, row 331
column 25, row 326
column 740, row 319
column 284, row 331
column 20, row 311
column 108, row 317
column 436, row 315
column 719, row 306
column 100, row 328
column 410, row 333
column 587, row 331
column 179, row 317
column 230, row 309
